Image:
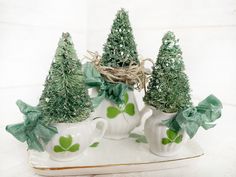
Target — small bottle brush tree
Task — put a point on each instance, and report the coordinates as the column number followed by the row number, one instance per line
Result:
column 168, row 89
column 120, row 48
column 65, row 97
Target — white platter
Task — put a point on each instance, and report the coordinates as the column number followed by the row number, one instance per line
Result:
column 112, row 156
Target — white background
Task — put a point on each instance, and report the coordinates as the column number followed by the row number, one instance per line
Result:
column 30, row 30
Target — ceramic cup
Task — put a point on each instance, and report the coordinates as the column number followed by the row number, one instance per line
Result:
column 121, row 120
column 73, row 138
column 162, row 141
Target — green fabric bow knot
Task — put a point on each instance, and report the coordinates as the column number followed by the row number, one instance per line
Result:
column 113, row 91
column 192, row 118
column 32, row 130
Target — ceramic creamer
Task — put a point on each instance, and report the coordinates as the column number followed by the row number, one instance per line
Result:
column 162, row 141
column 74, row 138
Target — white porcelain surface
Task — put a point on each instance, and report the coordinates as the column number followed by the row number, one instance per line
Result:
column 114, row 157
column 155, row 131
column 83, row 133
column 120, row 126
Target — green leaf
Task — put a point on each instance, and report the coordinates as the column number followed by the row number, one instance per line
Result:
column 134, row 135
column 165, row 141
column 65, row 142
column 74, row 148
column 179, row 139
column 112, row 112
column 171, row 134
column 94, row 144
column 58, row 148
column 141, row 139
column 126, row 99
column 191, row 128
column 129, row 109
column 207, row 126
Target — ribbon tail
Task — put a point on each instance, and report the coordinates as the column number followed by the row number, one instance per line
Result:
column 25, row 108
column 123, row 88
column 18, row 131
column 45, row 133
column 208, row 126
column 116, row 93
column 92, row 76
column 34, row 143
column 91, row 82
column 172, row 124
column 98, row 99
column 211, row 108
column 192, row 129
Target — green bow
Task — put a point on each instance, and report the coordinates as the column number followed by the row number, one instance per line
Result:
column 192, row 118
column 113, row 91
column 32, row 130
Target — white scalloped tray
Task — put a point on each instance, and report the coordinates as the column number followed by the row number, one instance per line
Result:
column 114, row 157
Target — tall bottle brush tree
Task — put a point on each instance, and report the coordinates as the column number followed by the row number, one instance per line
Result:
column 65, row 97
column 120, row 48
column 168, row 89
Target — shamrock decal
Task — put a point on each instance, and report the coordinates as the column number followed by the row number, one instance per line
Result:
column 65, row 144
column 173, row 137
column 112, row 111
column 94, row 145
column 139, row 138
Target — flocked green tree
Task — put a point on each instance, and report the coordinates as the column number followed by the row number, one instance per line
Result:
column 65, row 97
column 120, row 48
column 168, row 89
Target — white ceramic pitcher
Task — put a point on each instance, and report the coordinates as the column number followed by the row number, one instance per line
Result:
column 162, row 141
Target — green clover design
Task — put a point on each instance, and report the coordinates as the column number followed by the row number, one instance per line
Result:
column 172, row 137
column 113, row 111
column 65, row 144
column 94, row 145
column 138, row 138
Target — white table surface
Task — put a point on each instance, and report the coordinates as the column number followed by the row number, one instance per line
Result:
column 218, row 143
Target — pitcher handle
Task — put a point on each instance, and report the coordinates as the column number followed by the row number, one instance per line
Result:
column 142, row 112
column 100, row 127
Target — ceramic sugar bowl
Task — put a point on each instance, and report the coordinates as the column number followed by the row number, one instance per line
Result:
column 74, row 138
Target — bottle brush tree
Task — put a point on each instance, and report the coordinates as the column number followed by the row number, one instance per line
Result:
column 168, row 89
column 120, row 48
column 65, row 97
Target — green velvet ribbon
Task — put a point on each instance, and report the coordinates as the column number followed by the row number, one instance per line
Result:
column 112, row 91
column 206, row 112
column 32, row 130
